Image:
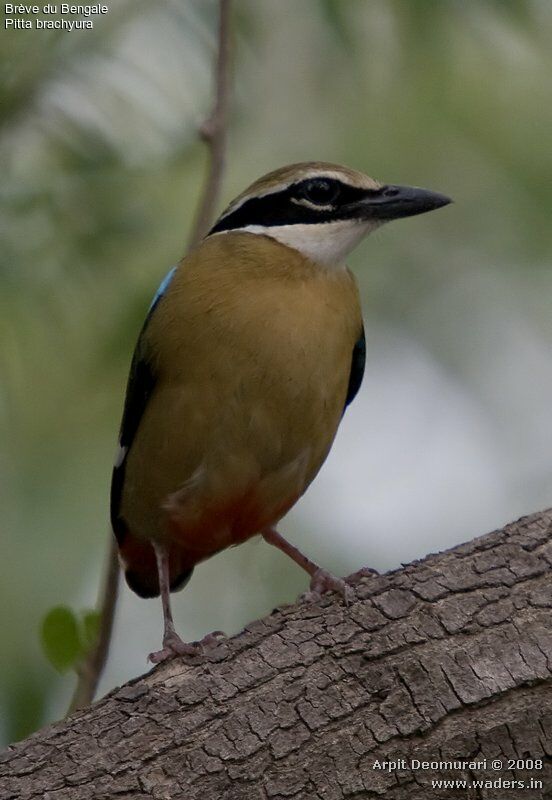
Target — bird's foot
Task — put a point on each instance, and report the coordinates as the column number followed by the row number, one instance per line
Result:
column 323, row 581
column 174, row 646
column 363, row 572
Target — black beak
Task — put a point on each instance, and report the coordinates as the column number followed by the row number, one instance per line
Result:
column 394, row 202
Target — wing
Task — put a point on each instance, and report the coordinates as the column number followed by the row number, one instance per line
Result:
column 141, row 382
column 358, row 361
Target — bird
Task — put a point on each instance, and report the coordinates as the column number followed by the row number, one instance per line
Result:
column 250, row 353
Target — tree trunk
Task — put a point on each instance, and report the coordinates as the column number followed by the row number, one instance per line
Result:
column 447, row 659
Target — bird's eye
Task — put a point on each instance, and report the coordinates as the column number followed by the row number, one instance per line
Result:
column 320, row 191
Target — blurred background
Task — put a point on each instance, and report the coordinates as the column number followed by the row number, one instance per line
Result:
column 451, row 434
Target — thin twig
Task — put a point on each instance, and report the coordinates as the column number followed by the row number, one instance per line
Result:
column 213, row 130
column 90, row 670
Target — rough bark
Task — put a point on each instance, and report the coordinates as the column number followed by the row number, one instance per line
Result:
column 447, row 658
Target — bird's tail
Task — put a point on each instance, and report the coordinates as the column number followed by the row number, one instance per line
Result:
column 139, row 565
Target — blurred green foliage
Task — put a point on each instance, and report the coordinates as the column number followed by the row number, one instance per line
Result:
column 101, row 168
column 60, row 637
column 66, row 637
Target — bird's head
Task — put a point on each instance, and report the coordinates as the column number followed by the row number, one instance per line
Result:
column 322, row 210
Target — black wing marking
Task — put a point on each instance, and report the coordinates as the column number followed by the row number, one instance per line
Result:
column 358, row 361
column 140, row 385
column 141, row 381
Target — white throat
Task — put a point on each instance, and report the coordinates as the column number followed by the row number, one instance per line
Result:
column 328, row 243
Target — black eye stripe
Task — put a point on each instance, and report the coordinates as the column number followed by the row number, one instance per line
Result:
column 282, row 207
column 345, row 193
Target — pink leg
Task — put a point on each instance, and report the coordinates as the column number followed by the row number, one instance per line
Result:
column 173, row 645
column 321, row 580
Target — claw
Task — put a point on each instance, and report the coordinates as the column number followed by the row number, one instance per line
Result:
column 363, row 572
column 173, row 647
column 323, row 581
column 173, row 650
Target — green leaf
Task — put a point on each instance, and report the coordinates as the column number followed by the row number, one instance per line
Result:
column 90, row 620
column 60, row 638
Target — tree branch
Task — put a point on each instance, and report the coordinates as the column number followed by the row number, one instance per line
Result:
column 213, row 132
column 90, row 671
column 447, row 658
